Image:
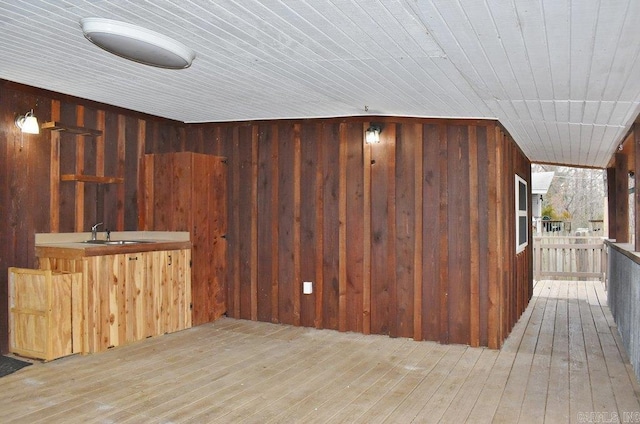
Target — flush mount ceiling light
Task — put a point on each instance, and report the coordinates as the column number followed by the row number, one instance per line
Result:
column 136, row 43
column 28, row 123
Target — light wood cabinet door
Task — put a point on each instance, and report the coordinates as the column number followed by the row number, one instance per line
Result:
column 129, row 297
column 176, row 299
column 137, row 294
column 171, row 308
column 115, row 300
column 41, row 312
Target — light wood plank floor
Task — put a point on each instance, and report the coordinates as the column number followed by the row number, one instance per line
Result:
column 563, row 362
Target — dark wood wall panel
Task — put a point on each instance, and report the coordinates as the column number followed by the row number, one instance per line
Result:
column 309, row 237
column 342, row 229
column 131, row 144
column 412, row 237
column 24, row 190
column 329, row 289
column 382, row 235
column 107, row 194
column 458, row 235
column 164, row 137
column 267, row 255
column 482, row 234
column 287, row 301
column 406, row 224
column 440, row 236
column 621, row 187
column 240, row 224
column 243, row 227
column 90, row 167
column 474, row 224
column 354, row 187
column 295, row 278
column 431, row 227
column 494, row 255
column 68, row 154
column 32, row 197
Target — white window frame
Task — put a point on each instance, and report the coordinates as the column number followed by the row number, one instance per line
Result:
column 522, row 245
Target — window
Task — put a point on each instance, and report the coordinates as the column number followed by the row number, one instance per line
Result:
column 522, row 215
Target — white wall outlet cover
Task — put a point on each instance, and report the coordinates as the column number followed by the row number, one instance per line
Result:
column 307, row 287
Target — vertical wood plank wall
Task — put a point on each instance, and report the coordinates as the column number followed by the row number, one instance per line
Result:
column 412, row 237
column 431, row 258
column 32, row 197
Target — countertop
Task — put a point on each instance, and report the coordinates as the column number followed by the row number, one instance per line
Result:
column 71, row 246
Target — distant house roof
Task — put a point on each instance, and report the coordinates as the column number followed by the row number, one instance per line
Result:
column 540, row 182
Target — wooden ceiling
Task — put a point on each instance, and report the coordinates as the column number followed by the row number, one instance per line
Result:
column 562, row 76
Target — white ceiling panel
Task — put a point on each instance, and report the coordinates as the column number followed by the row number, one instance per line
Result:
column 562, row 110
column 561, row 75
column 534, row 107
column 548, row 110
column 590, row 111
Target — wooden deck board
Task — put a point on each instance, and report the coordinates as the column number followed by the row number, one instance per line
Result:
column 400, row 403
column 557, row 410
column 423, row 361
column 563, row 358
column 322, row 405
column 303, row 384
column 438, row 404
column 459, row 410
column 542, row 320
column 579, row 383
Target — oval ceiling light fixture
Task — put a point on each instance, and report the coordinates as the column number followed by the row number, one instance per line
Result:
column 136, row 43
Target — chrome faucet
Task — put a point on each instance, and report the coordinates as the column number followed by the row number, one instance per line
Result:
column 94, row 231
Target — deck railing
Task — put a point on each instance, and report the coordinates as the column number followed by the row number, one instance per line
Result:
column 623, row 298
column 569, row 257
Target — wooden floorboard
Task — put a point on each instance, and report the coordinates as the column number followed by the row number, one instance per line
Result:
column 558, row 393
column 540, row 331
column 579, row 383
column 563, row 362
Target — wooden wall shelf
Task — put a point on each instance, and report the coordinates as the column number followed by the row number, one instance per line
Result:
column 57, row 126
column 91, row 179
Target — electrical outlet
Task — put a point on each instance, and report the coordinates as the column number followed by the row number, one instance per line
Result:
column 307, row 287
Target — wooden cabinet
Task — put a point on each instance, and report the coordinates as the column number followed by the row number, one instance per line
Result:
column 129, row 297
column 42, row 306
column 187, row 192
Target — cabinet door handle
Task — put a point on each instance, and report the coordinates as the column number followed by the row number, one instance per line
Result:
column 170, row 262
column 135, row 258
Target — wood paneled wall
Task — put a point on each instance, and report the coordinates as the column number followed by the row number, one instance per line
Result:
column 412, row 237
column 621, row 167
column 33, row 199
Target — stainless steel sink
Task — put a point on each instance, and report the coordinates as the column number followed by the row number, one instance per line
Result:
column 116, row 242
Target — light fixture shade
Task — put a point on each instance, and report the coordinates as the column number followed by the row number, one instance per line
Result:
column 28, row 123
column 136, row 43
column 373, row 134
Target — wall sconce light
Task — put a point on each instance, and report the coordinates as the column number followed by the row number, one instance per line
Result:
column 373, row 134
column 28, row 123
